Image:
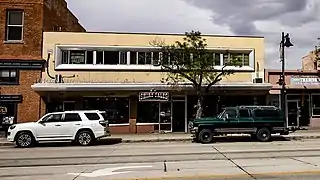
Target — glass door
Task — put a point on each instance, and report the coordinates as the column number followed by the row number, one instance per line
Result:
column 293, row 113
column 165, row 116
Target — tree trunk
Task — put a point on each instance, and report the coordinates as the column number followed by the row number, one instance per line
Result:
column 199, row 105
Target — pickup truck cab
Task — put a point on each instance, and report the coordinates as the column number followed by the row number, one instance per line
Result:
column 258, row 121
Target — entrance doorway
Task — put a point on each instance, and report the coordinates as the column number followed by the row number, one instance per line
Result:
column 178, row 116
column 165, row 116
column 293, row 113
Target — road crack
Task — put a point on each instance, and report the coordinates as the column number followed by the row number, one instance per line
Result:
column 305, row 162
column 238, row 166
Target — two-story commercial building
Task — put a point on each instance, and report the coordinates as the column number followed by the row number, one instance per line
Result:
column 21, row 63
column 114, row 72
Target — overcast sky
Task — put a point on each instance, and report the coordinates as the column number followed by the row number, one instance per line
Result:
column 268, row 18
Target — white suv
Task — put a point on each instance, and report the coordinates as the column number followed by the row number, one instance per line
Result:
column 82, row 127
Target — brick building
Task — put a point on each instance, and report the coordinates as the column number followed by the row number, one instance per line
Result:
column 22, row 24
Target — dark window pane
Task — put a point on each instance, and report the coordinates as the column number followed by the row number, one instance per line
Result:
column 123, row 57
column 70, row 117
column 141, row 58
column 77, row 57
column 133, row 57
column 148, row 58
column 89, row 57
column 99, row 59
column 216, row 58
column 148, row 112
column 65, row 58
column 267, row 113
column 244, row 113
column 111, row 57
column 246, row 60
column 14, row 33
column 15, row 17
column 92, row 116
column 232, row 113
column 8, row 76
column 7, row 113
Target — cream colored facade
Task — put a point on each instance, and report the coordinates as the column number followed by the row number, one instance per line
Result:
column 52, row 41
column 126, row 79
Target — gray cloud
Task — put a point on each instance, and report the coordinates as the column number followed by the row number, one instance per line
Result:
column 266, row 18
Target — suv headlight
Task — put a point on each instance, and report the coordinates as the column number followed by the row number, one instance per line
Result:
column 12, row 127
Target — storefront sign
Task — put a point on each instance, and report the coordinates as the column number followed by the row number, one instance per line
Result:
column 11, row 98
column 22, row 64
column 154, row 96
column 305, row 80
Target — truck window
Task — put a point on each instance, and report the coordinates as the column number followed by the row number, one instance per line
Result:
column 232, row 113
column 244, row 113
column 270, row 113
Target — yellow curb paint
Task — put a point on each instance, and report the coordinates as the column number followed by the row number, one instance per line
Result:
column 225, row 175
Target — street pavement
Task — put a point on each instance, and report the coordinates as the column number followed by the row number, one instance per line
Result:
column 295, row 159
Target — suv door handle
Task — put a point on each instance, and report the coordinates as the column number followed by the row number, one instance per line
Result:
column 77, row 124
column 57, row 125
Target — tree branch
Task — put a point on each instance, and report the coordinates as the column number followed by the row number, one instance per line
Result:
column 181, row 73
column 217, row 78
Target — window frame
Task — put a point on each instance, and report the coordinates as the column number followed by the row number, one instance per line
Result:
column 52, row 114
column 249, row 114
column 8, row 25
column 131, row 65
column 312, row 106
column 92, row 113
column 16, row 78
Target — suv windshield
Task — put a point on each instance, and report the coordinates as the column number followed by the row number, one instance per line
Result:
column 221, row 113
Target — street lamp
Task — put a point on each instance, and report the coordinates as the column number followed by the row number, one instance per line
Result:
column 285, row 42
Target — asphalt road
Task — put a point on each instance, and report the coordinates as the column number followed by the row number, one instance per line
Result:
column 236, row 160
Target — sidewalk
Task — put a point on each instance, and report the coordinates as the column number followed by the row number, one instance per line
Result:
column 171, row 137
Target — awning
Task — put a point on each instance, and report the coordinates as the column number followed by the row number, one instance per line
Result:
column 56, row 87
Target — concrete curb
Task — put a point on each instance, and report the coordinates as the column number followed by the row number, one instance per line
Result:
column 294, row 137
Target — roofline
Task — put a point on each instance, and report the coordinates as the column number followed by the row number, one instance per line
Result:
column 291, row 71
column 158, row 33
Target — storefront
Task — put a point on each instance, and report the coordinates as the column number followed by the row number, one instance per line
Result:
column 302, row 97
column 8, row 110
column 149, row 108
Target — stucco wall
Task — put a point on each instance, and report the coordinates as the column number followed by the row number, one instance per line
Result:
column 51, row 39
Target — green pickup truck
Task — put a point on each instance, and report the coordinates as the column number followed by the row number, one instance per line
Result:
column 258, row 121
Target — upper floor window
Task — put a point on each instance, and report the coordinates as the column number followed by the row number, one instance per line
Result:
column 14, row 26
column 243, row 58
column 9, row 76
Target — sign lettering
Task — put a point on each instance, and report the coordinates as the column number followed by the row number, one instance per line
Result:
column 154, row 96
column 77, row 57
column 305, row 80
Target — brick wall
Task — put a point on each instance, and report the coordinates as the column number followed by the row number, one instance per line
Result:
column 31, row 47
column 28, row 110
column 57, row 14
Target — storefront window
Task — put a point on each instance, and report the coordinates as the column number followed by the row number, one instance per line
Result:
column 117, row 108
column 7, row 114
column 148, row 112
column 316, row 105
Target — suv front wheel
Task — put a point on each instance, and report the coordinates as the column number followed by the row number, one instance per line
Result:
column 205, row 136
column 84, row 138
column 25, row 140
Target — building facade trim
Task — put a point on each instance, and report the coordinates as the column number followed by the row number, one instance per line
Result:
column 22, row 64
column 137, row 86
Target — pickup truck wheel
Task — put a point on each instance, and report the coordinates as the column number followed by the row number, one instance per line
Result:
column 205, row 136
column 84, row 138
column 25, row 140
column 263, row 135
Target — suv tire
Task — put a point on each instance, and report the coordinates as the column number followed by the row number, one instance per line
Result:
column 263, row 135
column 84, row 138
column 25, row 140
column 205, row 136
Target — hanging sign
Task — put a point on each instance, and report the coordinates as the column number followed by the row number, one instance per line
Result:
column 154, row 96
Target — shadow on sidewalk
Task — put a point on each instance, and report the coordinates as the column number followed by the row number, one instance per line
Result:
column 228, row 139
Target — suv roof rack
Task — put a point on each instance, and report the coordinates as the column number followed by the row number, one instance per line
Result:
column 259, row 107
